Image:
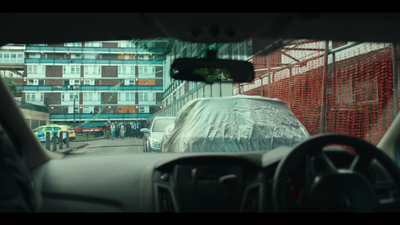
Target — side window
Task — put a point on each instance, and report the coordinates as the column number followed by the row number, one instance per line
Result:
column 48, row 129
column 57, row 128
column 38, row 130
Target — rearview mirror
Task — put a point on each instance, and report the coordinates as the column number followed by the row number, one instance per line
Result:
column 211, row 69
column 144, row 130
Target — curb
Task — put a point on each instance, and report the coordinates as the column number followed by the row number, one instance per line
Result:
column 94, row 139
column 73, row 149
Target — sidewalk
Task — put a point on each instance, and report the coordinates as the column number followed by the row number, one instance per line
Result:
column 93, row 139
column 72, row 146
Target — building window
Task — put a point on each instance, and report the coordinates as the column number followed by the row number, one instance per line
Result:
column 72, row 69
column 93, row 44
column 32, row 82
column 145, row 97
column 34, row 56
column 88, row 109
column 28, row 97
column 89, row 81
column 73, row 95
column 62, row 97
column 87, row 96
column 73, row 44
column 91, row 56
column 130, row 82
column 126, row 69
column 41, row 97
column 36, row 69
column 119, row 97
column 74, row 82
column 93, row 70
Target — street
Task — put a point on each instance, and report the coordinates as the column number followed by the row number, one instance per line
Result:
column 108, row 146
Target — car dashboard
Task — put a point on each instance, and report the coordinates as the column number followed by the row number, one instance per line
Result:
column 172, row 182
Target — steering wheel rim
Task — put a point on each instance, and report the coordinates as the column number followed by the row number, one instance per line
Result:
column 313, row 147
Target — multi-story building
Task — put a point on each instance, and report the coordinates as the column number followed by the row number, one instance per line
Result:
column 103, row 80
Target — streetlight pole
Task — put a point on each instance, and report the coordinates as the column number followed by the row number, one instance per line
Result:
column 74, row 111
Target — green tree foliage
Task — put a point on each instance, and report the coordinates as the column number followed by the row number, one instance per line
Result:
column 11, row 85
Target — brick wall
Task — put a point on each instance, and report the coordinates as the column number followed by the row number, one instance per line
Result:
column 107, row 56
column 82, row 72
column 109, row 82
column 55, row 55
column 159, row 82
column 20, row 82
column 110, row 45
column 54, row 98
column 53, row 71
column 55, row 110
column 109, row 71
column 56, row 45
column 106, row 96
column 25, row 70
column 108, row 110
column 52, row 82
column 81, row 98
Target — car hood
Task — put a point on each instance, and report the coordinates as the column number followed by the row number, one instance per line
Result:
column 233, row 124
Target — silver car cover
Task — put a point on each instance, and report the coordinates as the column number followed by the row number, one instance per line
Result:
column 233, row 124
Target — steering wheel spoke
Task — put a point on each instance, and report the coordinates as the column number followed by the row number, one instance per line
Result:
column 361, row 162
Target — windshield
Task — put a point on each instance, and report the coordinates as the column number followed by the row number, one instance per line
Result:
column 325, row 87
column 161, row 124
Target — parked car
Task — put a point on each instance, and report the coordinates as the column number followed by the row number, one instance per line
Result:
column 233, row 124
column 153, row 135
column 54, row 128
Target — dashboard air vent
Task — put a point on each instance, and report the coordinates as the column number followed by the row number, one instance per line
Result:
column 252, row 200
column 165, row 200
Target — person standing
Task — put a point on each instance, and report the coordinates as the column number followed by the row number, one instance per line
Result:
column 138, row 129
column 104, row 129
column 128, row 129
column 112, row 131
column 108, row 131
column 116, row 130
column 132, row 128
column 122, row 130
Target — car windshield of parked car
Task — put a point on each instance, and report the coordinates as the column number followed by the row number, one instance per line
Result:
column 161, row 124
column 328, row 86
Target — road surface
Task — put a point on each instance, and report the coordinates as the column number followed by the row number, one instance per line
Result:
column 108, row 146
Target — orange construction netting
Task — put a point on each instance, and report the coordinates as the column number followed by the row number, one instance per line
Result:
column 359, row 86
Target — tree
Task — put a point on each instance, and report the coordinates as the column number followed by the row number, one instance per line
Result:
column 11, row 85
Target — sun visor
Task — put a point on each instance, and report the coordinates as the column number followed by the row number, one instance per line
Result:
column 233, row 124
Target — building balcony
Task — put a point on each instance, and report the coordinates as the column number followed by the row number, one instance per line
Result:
column 46, row 49
column 89, row 88
column 94, row 116
column 94, row 61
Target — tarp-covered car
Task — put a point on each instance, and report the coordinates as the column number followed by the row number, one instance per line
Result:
column 233, row 124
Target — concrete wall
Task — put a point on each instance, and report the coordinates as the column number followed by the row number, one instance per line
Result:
column 33, row 118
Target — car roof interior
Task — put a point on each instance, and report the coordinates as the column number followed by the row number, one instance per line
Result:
column 32, row 28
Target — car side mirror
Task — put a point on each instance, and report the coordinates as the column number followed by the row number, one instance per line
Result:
column 144, row 130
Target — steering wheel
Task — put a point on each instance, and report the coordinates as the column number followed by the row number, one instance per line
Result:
column 328, row 188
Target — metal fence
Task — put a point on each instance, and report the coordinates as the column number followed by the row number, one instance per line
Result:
column 24, row 105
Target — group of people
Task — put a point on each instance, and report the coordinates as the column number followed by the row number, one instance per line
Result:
column 124, row 129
